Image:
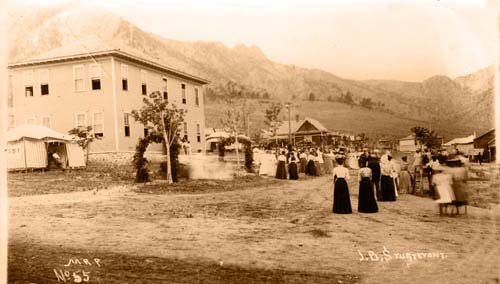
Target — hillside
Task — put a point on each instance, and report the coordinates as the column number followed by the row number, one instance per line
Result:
column 451, row 105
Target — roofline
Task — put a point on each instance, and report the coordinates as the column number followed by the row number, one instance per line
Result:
column 112, row 52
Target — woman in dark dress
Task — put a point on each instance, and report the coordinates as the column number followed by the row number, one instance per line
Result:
column 386, row 181
column 341, row 199
column 374, row 166
column 310, row 168
column 366, row 198
column 292, row 167
column 281, row 168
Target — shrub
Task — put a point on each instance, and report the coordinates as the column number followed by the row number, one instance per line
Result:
column 139, row 162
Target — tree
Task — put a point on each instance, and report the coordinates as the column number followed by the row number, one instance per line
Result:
column 165, row 120
column 272, row 116
column 312, row 97
column 233, row 113
column 425, row 137
column 86, row 137
column 347, row 98
column 366, row 103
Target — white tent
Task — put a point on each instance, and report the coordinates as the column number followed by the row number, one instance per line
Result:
column 28, row 145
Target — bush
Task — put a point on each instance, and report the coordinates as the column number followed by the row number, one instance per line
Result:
column 248, row 157
column 139, row 162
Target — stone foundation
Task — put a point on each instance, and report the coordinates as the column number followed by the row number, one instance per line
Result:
column 123, row 158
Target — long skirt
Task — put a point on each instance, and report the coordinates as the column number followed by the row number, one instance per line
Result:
column 310, row 168
column 387, row 189
column 317, row 167
column 341, row 199
column 281, row 170
column 404, row 182
column 303, row 165
column 328, row 165
column 292, row 171
column 366, row 202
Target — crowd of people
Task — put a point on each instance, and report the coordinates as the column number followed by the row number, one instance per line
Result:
column 381, row 178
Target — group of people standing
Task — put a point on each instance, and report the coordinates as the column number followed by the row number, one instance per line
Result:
column 377, row 179
column 380, row 178
column 288, row 163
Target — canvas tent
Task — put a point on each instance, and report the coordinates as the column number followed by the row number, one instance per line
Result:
column 28, row 147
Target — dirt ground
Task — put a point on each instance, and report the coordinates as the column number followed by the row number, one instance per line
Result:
column 269, row 233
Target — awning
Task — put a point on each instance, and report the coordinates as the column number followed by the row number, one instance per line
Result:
column 37, row 132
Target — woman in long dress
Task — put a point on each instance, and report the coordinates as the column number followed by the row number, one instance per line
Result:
column 404, row 177
column 353, row 161
column 268, row 164
column 320, row 162
column 341, row 198
column 281, row 168
column 374, row 166
column 328, row 157
column 303, row 161
column 292, row 167
column 366, row 197
column 386, row 181
column 311, row 168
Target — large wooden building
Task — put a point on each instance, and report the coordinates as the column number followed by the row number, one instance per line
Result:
column 100, row 89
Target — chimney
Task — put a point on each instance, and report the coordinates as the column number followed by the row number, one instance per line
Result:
column 296, row 118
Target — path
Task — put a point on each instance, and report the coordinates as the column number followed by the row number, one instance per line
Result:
column 283, row 227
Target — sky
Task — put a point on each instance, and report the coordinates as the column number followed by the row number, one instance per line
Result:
column 363, row 39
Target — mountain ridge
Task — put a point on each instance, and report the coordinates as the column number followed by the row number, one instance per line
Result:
column 250, row 67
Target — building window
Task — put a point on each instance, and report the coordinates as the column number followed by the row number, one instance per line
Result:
column 80, row 120
column 29, row 91
column 31, row 120
column 184, row 100
column 47, row 121
column 124, row 72
column 198, row 133
column 78, row 76
column 44, row 81
column 97, row 124
column 28, row 83
column 196, row 97
column 165, row 90
column 185, row 130
column 12, row 121
column 144, row 82
column 95, row 76
column 126, row 124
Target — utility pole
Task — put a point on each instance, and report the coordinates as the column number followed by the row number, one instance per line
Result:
column 288, row 106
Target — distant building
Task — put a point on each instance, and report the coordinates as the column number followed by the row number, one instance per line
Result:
column 385, row 144
column 486, row 143
column 408, row 144
column 464, row 145
column 100, row 89
column 305, row 131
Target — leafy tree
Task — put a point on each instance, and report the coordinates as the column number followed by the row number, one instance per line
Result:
column 425, row 137
column 233, row 113
column 165, row 120
column 312, row 97
column 366, row 103
column 272, row 116
column 347, row 98
column 266, row 96
column 86, row 137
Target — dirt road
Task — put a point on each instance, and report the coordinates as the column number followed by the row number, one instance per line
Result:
column 283, row 233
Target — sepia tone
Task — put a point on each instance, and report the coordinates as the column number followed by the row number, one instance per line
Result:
column 134, row 157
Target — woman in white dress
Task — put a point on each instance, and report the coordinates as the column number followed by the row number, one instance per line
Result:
column 268, row 164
